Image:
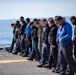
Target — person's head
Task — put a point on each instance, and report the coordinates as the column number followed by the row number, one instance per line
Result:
column 17, row 25
column 31, row 24
column 27, row 20
column 35, row 19
column 73, row 20
column 37, row 24
column 49, row 18
column 21, row 18
column 12, row 25
column 17, row 22
column 38, row 20
column 64, row 18
column 51, row 22
column 44, row 22
column 59, row 21
column 56, row 17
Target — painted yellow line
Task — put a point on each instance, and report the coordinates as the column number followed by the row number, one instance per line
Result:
column 12, row 61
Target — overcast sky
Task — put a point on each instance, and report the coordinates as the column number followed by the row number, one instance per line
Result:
column 13, row 9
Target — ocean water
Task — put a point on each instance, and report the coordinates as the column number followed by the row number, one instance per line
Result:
column 6, row 34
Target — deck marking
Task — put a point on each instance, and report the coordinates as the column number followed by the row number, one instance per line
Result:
column 13, row 61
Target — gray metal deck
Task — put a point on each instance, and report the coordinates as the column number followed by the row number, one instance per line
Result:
column 20, row 67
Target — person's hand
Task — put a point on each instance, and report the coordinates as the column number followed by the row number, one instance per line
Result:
column 44, row 45
column 53, row 46
column 26, row 39
column 32, row 38
column 12, row 26
column 60, row 41
column 39, row 30
column 19, row 38
column 74, row 41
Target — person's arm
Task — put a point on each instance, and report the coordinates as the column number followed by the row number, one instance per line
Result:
column 57, row 37
column 74, row 41
column 46, row 35
column 14, row 29
column 28, row 32
column 68, row 30
column 35, row 34
column 54, row 33
column 23, row 27
column 75, row 33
